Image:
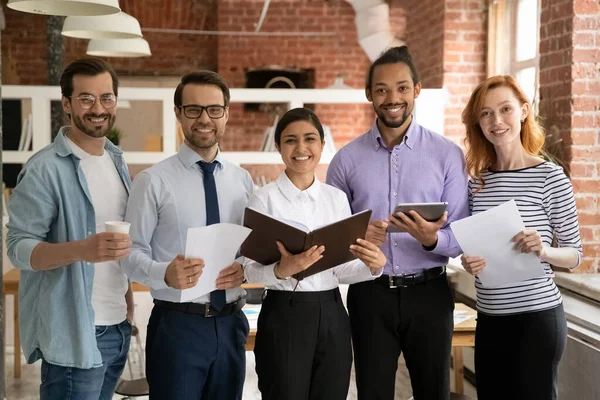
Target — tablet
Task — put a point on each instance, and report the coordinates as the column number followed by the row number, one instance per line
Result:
column 428, row 211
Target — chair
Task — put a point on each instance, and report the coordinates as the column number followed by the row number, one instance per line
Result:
column 134, row 387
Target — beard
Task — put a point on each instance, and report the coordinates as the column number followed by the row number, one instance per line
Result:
column 393, row 124
column 203, row 143
column 95, row 132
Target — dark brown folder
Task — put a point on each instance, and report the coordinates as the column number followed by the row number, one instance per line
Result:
column 337, row 237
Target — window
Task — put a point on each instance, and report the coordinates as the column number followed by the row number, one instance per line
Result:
column 513, row 43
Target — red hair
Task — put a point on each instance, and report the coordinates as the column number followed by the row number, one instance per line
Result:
column 480, row 152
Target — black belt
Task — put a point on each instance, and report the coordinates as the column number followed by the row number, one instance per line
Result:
column 303, row 297
column 205, row 309
column 404, row 280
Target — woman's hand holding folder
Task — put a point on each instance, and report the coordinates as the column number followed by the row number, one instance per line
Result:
column 369, row 254
column 291, row 264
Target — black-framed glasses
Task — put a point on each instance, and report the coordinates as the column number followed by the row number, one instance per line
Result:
column 87, row 101
column 194, row 111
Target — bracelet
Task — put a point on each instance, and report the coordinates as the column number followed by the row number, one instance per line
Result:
column 278, row 275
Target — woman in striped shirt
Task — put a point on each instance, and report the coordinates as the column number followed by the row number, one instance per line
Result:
column 521, row 327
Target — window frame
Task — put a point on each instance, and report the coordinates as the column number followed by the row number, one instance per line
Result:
column 502, row 43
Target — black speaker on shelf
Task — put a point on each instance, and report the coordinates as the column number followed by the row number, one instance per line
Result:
column 277, row 77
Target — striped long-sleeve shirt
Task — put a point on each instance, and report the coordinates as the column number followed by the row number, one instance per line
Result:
column 544, row 197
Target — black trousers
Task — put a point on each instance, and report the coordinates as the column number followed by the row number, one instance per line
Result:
column 191, row 357
column 302, row 347
column 416, row 320
column 517, row 356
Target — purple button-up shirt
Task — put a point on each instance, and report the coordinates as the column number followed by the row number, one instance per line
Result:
column 425, row 167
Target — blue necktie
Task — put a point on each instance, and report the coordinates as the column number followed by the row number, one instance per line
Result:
column 217, row 297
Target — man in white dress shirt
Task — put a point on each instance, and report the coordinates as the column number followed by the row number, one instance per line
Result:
column 194, row 350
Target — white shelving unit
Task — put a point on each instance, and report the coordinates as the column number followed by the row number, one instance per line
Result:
column 431, row 101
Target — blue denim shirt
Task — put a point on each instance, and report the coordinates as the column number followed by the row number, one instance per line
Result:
column 51, row 203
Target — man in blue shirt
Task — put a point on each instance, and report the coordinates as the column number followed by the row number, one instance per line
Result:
column 73, row 313
column 194, row 350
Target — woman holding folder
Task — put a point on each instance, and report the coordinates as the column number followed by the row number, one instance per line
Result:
column 521, row 327
column 303, row 348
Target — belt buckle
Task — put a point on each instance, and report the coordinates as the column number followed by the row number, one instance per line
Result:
column 391, row 282
column 207, row 310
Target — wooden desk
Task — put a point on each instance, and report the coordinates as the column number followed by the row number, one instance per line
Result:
column 464, row 335
column 11, row 288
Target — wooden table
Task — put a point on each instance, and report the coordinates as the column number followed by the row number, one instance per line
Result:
column 11, row 288
column 464, row 335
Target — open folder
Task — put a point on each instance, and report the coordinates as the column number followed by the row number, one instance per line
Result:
column 337, row 237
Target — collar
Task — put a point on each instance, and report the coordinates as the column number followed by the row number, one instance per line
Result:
column 189, row 157
column 410, row 137
column 291, row 192
column 62, row 148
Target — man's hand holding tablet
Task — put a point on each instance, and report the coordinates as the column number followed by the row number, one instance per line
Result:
column 421, row 220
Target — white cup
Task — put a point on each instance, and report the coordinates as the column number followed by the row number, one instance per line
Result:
column 117, row 226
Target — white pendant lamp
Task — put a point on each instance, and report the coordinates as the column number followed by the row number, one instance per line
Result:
column 115, row 26
column 119, row 48
column 66, row 7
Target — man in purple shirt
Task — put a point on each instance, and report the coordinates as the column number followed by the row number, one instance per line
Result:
column 408, row 309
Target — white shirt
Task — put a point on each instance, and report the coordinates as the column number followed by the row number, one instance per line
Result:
column 165, row 201
column 109, row 198
column 317, row 206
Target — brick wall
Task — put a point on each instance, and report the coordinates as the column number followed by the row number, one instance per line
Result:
column 425, row 39
column 23, row 48
column 448, row 42
column 465, row 37
column 326, row 55
column 24, row 41
column 570, row 105
column 446, row 37
column 173, row 54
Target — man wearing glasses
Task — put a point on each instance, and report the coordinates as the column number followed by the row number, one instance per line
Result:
column 194, row 350
column 73, row 311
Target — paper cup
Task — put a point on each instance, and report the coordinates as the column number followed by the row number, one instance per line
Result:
column 117, row 226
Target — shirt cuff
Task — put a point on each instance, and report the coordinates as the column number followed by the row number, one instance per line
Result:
column 378, row 274
column 363, row 272
column 269, row 278
column 241, row 260
column 442, row 244
column 23, row 253
column 157, row 275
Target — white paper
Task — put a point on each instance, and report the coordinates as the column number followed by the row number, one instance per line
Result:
column 217, row 245
column 458, row 319
column 489, row 235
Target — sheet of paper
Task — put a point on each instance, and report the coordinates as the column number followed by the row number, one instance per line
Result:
column 461, row 318
column 489, row 235
column 217, row 245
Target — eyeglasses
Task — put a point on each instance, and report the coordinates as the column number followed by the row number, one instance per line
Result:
column 213, row 111
column 87, row 101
